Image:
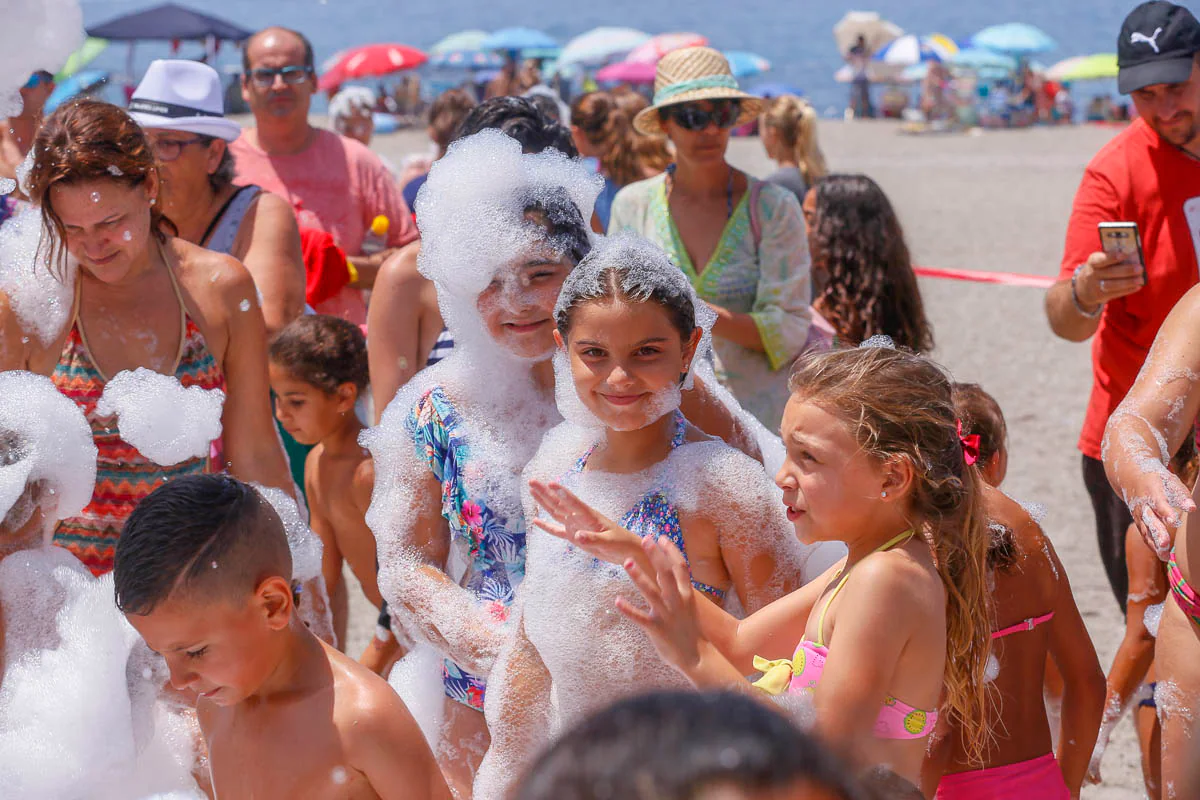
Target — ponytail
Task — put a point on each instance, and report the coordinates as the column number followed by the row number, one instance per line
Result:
column 796, row 122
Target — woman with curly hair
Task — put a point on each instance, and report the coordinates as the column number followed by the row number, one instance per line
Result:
column 863, row 281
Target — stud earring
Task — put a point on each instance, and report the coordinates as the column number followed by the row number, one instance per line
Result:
column 883, row 494
column 153, row 200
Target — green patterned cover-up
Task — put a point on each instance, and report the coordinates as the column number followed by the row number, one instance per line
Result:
column 768, row 279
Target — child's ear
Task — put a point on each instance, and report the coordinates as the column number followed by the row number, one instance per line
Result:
column 347, row 395
column 689, row 348
column 898, row 477
column 274, row 597
column 558, row 340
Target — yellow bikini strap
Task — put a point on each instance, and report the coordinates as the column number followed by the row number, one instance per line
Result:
column 888, row 545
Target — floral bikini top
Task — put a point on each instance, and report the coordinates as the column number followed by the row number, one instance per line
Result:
column 802, row 673
column 654, row 515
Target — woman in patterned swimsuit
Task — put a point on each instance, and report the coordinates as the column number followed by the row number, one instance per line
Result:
column 141, row 298
column 629, row 325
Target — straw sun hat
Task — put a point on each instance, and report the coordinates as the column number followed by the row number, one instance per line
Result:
column 691, row 74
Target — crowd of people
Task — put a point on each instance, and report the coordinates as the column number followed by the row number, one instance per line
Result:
column 600, row 423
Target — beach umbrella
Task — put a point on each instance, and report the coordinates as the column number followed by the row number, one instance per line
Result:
column 81, row 82
column 463, row 40
column 518, row 40
column 371, row 61
column 658, row 46
column 1014, row 38
column 875, row 31
column 91, row 48
column 168, row 22
column 628, row 72
column 775, row 90
column 600, row 45
column 912, row 49
column 1095, row 67
column 466, row 59
column 746, row 65
column 978, row 58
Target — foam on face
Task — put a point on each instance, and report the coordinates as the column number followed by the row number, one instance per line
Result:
column 472, row 220
column 41, row 302
column 41, row 35
column 164, row 421
column 81, row 711
column 54, row 444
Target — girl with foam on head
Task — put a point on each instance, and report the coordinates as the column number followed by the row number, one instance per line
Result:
column 500, row 232
column 133, row 299
column 629, row 328
column 898, row 631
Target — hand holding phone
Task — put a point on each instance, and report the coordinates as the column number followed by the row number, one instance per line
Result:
column 1116, row 271
column 1123, row 242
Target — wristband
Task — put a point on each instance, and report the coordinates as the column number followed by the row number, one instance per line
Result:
column 353, row 270
column 1075, row 298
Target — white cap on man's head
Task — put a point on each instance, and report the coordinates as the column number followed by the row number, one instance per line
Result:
column 180, row 95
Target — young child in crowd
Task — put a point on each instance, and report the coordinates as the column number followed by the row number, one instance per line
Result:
column 1035, row 617
column 318, row 370
column 203, row 572
column 687, row 745
column 1131, row 677
column 901, row 627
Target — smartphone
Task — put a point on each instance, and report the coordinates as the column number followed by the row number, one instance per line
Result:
column 1122, row 240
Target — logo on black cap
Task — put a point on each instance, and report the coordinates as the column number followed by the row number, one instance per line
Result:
column 1157, row 44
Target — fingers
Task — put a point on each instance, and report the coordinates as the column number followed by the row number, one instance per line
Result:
column 1112, row 288
column 1101, row 259
column 679, row 568
column 1118, row 269
column 552, row 528
column 640, row 618
column 648, row 586
column 1155, row 533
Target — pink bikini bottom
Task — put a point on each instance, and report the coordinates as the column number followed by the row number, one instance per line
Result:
column 1036, row 779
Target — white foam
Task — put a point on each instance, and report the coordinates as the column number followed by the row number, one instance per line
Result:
column 41, row 35
column 1152, row 618
column 77, row 716
column 56, row 445
column 164, row 421
column 41, row 302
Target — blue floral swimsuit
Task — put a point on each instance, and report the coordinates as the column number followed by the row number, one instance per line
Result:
column 496, row 544
column 654, row 515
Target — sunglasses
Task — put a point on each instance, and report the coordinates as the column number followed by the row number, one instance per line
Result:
column 264, row 77
column 691, row 117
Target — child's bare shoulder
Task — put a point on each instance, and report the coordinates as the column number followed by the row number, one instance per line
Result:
column 365, row 706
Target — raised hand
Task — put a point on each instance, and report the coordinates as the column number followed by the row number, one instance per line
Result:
column 584, row 526
column 1157, row 501
column 671, row 622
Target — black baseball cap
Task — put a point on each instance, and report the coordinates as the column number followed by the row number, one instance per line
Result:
column 1157, row 44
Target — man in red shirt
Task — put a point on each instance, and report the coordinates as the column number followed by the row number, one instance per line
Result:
column 1148, row 174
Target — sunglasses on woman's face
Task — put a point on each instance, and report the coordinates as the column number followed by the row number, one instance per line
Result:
column 691, row 117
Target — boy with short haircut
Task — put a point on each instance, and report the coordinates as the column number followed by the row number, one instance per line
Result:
column 203, row 572
column 318, row 371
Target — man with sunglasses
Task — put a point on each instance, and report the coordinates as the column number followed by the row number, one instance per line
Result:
column 16, row 135
column 335, row 184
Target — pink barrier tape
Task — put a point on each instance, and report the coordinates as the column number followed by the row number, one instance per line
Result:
column 1005, row 278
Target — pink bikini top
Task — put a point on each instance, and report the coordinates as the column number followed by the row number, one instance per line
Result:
column 801, row 674
column 1023, row 625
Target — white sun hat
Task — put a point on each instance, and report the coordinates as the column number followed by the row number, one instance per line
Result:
column 180, row 95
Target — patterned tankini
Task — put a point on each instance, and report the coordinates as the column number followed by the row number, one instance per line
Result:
column 654, row 515
column 123, row 475
column 495, row 545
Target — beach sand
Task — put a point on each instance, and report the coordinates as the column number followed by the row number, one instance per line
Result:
column 996, row 201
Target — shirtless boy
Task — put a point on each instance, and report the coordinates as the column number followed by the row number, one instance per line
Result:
column 203, row 573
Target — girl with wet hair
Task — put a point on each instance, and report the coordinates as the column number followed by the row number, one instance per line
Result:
column 863, row 281
column 138, row 297
column 892, row 637
column 629, row 329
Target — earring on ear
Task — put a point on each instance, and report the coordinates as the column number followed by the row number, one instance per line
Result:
column 153, row 200
column 883, row 494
